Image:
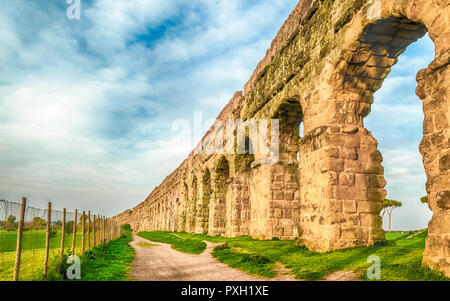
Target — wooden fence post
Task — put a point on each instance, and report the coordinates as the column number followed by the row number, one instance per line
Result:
column 109, row 229
column 99, row 238
column 74, row 232
column 89, row 229
column 83, row 230
column 100, row 229
column 19, row 239
column 104, row 230
column 47, row 239
column 93, row 238
column 63, row 232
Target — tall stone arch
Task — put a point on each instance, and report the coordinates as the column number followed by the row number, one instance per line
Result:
column 218, row 209
column 191, row 219
column 204, row 203
column 183, row 207
column 341, row 155
column 274, row 187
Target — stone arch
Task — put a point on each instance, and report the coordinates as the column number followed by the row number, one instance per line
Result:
column 204, row 203
column 176, row 214
column 183, row 208
column 155, row 217
column 192, row 206
column 217, row 221
column 370, row 61
column 243, row 162
column 150, row 215
column 290, row 116
column 166, row 214
column 238, row 206
column 349, row 176
column 433, row 83
column 274, row 187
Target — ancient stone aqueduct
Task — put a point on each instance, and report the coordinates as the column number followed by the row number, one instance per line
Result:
column 321, row 70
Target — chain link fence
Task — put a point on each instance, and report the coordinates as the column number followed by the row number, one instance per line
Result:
column 33, row 239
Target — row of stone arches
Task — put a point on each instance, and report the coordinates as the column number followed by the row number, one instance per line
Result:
column 203, row 201
column 327, row 187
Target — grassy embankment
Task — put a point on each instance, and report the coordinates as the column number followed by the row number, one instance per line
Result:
column 400, row 257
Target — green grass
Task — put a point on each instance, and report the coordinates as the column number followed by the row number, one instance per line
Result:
column 36, row 240
column 145, row 245
column 110, row 262
column 186, row 245
column 250, row 263
column 400, row 258
column 398, row 235
column 33, row 252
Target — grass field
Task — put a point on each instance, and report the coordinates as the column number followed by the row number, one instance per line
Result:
column 400, row 257
column 33, row 252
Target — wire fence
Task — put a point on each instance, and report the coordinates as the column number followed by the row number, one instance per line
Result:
column 32, row 239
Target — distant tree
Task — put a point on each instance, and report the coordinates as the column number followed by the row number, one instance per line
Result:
column 388, row 207
column 10, row 223
column 69, row 227
column 424, row 199
column 39, row 223
column 83, row 217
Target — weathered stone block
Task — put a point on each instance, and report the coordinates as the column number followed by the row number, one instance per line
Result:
column 278, row 195
column 335, row 206
column 369, row 207
column 277, row 185
column 349, row 206
column 347, row 179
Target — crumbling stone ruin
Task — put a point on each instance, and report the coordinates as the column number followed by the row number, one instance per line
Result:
column 327, row 188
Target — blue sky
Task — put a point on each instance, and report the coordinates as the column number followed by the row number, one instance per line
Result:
column 86, row 106
column 396, row 122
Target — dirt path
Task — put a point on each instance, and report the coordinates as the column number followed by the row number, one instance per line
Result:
column 159, row 262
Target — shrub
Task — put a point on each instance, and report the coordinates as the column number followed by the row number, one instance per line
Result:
column 126, row 227
column 222, row 246
column 255, row 258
